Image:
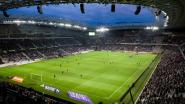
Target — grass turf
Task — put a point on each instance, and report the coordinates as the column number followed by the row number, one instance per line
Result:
column 105, row 75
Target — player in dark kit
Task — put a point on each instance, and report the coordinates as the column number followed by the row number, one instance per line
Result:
column 62, row 72
column 81, row 75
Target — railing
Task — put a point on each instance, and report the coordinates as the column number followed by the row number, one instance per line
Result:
column 182, row 52
column 26, row 94
column 131, row 95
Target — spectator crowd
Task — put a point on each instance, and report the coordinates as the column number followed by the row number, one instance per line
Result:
column 15, row 94
column 167, row 84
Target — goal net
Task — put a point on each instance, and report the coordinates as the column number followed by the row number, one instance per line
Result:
column 36, row 77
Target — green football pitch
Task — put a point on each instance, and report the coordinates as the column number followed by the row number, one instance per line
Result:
column 103, row 76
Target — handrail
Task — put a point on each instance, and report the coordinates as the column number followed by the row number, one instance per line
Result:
column 182, row 53
column 149, row 44
column 34, row 38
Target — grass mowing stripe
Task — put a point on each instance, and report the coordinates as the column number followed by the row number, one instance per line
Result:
column 104, row 73
column 122, row 85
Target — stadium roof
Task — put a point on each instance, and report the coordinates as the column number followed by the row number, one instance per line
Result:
column 175, row 9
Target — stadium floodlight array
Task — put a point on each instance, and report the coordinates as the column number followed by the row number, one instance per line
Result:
column 68, row 25
column 102, row 29
column 153, row 28
column 32, row 22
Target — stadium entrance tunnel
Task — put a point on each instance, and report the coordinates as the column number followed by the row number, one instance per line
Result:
column 88, row 16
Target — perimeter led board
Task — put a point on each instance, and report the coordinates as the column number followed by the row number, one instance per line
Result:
column 92, row 33
column 79, row 97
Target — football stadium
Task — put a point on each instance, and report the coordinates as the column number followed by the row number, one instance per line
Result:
column 92, row 52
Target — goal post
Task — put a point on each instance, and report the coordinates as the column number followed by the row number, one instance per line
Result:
column 36, row 77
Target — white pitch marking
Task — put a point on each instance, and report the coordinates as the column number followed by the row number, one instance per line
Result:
column 121, row 85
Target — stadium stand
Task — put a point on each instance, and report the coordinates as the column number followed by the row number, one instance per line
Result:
column 35, row 48
column 30, row 49
column 53, row 37
column 183, row 47
column 15, row 94
column 175, row 39
column 167, row 83
column 165, row 86
column 1, row 62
